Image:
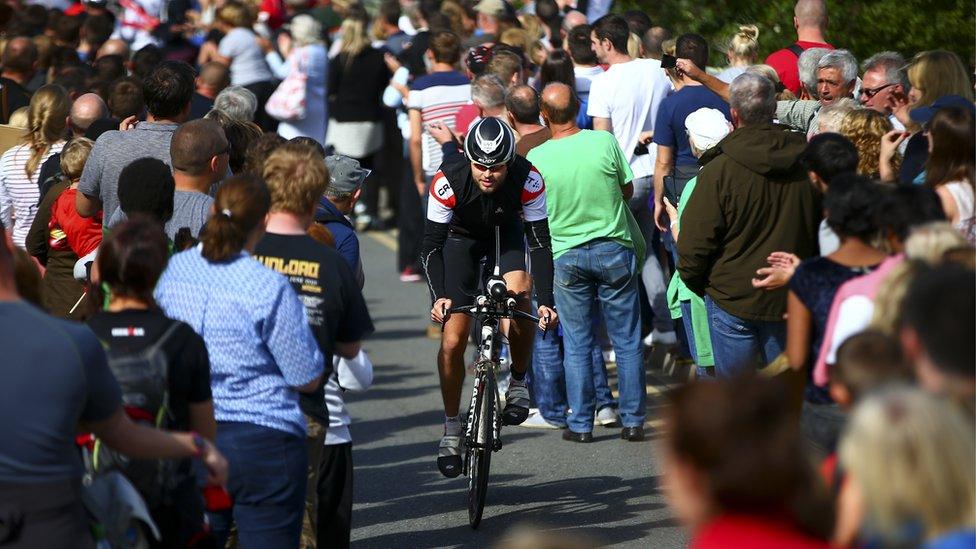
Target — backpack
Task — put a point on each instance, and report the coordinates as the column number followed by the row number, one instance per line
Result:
column 143, row 378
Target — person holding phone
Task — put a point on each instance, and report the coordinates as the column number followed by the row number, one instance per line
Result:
column 676, row 163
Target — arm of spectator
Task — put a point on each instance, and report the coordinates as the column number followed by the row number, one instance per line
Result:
column 87, row 206
column 37, row 236
column 627, row 191
column 6, row 205
column 798, row 324
column 781, row 267
column 291, row 343
column 711, row 82
column 673, row 216
column 701, row 234
column 87, row 199
column 202, row 419
column 889, row 148
column 142, row 442
column 662, row 167
column 356, row 373
column 600, row 123
column 395, row 94
column 416, row 150
column 797, row 114
column 279, row 68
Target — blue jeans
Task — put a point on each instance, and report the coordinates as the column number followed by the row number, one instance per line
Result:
column 606, row 271
column 738, row 344
column 549, row 379
column 266, row 481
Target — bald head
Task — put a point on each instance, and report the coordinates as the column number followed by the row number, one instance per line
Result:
column 811, row 14
column 573, row 19
column 19, row 57
column 194, row 144
column 85, row 110
column 522, row 103
column 114, row 47
column 559, row 104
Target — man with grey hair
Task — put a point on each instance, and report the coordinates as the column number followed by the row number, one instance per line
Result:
column 753, row 198
column 807, row 66
column 836, row 76
column 810, row 20
column 237, row 102
column 345, row 186
column 884, row 84
column 488, row 96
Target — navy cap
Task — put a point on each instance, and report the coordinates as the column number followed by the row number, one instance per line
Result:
column 922, row 115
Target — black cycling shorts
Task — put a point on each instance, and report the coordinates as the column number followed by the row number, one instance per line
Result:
column 463, row 267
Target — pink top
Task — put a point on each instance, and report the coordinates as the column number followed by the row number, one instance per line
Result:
column 850, row 313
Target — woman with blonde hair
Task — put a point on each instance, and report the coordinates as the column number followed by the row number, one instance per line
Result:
column 926, row 245
column 19, row 167
column 909, row 456
column 357, row 78
column 865, row 128
column 934, row 74
column 59, row 237
column 742, row 51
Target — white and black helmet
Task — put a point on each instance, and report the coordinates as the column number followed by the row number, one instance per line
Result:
column 490, row 142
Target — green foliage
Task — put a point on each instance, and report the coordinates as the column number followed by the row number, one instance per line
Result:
column 864, row 27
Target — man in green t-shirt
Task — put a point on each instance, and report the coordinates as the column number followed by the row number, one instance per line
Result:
column 596, row 247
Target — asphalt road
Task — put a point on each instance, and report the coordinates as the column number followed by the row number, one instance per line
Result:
column 607, row 490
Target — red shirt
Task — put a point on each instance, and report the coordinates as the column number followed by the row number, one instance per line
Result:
column 465, row 117
column 784, row 61
column 752, row 532
column 83, row 234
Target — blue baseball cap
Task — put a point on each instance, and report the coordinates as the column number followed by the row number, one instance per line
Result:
column 922, row 115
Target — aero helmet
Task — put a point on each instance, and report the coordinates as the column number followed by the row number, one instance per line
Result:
column 490, row 142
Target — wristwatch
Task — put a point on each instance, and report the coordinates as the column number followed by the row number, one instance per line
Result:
column 199, row 442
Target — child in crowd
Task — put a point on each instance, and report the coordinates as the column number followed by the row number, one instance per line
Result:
column 66, row 228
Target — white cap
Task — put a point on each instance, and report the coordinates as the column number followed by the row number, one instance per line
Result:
column 706, row 127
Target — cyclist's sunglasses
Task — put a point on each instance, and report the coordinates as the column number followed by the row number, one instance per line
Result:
column 493, row 169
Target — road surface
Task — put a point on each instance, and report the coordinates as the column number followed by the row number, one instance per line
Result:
column 608, row 490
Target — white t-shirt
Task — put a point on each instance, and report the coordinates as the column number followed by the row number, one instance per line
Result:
column 247, row 64
column 629, row 94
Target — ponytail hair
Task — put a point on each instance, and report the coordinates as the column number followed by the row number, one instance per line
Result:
column 47, row 123
column 240, row 206
column 745, row 44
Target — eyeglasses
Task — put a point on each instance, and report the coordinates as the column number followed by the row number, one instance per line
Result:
column 493, row 169
column 871, row 92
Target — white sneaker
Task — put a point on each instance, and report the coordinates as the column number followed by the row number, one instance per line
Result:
column 666, row 339
column 607, row 417
column 536, row 421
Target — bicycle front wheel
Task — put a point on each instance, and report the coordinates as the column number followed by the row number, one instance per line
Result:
column 479, row 462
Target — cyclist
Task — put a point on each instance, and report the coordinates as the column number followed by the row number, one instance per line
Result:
column 488, row 186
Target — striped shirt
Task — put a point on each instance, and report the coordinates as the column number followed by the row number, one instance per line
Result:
column 438, row 96
column 19, row 194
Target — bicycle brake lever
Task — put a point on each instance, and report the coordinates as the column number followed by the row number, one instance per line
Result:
column 443, row 317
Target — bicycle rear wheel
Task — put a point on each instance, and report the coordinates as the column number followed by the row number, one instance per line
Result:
column 479, row 457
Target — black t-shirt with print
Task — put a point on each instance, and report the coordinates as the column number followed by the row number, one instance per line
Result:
column 334, row 304
column 189, row 365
